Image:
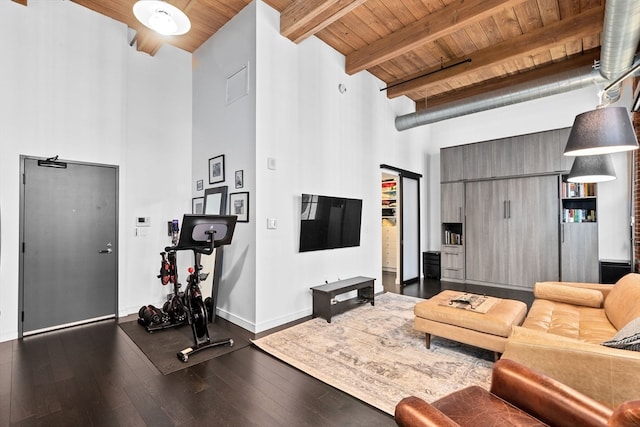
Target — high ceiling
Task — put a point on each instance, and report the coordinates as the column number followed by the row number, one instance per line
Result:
column 433, row 51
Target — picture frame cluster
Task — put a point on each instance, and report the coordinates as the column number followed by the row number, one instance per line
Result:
column 238, row 202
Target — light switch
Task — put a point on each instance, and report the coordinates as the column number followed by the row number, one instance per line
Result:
column 271, row 223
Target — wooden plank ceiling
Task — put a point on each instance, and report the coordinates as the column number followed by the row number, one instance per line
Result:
column 432, row 51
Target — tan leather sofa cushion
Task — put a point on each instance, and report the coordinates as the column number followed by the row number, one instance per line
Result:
column 573, row 321
column 568, row 294
column 622, row 305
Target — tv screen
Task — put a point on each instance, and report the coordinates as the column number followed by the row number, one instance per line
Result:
column 329, row 222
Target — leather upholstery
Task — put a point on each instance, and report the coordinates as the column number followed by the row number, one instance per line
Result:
column 562, row 340
column 486, row 330
column 569, row 294
column 519, row 396
column 622, row 305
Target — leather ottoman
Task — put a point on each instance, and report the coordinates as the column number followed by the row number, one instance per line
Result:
column 489, row 330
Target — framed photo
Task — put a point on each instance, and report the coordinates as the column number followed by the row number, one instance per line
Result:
column 239, row 206
column 215, row 201
column 216, row 169
column 197, row 205
column 199, row 185
column 239, row 179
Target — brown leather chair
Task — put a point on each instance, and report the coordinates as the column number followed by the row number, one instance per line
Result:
column 518, row 397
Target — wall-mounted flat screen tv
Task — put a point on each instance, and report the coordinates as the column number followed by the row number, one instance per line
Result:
column 329, row 222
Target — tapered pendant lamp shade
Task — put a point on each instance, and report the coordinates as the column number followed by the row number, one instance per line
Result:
column 603, row 130
column 161, row 17
column 592, row 169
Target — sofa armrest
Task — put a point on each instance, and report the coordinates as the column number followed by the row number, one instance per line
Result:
column 413, row 411
column 604, row 289
column 572, row 293
column 545, row 398
column 602, row 373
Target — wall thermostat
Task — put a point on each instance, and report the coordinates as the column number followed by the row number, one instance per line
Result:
column 143, row 221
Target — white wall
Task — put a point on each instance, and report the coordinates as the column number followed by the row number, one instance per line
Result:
column 71, row 86
column 220, row 127
column 325, row 142
column 548, row 113
column 322, row 142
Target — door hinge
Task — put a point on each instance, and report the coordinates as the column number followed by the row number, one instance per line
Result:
column 23, row 316
column 24, row 179
column 23, row 246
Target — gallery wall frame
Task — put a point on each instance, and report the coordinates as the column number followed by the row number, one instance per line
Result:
column 197, row 205
column 239, row 179
column 239, row 206
column 215, row 200
column 216, row 169
column 199, row 185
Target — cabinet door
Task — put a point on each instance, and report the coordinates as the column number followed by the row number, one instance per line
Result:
column 532, row 212
column 478, row 160
column 486, row 236
column 451, row 164
column 579, row 252
column 451, row 202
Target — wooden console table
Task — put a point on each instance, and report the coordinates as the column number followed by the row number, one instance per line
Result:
column 324, row 303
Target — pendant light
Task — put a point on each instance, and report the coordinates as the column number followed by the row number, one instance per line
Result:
column 162, row 17
column 597, row 168
column 603, row 130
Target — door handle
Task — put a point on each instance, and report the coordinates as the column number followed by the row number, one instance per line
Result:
column 106, row 251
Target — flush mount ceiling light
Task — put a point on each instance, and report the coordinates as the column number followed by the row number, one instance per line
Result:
column 162, row 17
column 592, row 169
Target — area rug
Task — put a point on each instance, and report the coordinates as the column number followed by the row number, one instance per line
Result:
column 161, row 347
column 374, row 354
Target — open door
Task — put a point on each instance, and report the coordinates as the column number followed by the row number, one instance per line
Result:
column 407, row 214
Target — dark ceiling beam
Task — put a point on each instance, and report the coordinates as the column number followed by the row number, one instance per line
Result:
column 529, row 44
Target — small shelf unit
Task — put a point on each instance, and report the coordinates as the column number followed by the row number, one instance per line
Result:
column 579, row 202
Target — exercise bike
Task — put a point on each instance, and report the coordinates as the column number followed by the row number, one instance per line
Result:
column 201, row 234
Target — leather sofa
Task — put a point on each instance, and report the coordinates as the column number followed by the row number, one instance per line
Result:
column 562, row 336
column 518, row 396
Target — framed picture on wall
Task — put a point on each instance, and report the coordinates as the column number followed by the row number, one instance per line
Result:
column 215, row 201
column 216, row 169
column 197, row 205
column 239, row 206
column 199, row 185
column 239, row 179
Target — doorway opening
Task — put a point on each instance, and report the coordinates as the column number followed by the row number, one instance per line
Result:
column 390, row 216
column 406, row 232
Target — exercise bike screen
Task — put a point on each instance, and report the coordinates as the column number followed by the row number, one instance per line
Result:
column 196, row 229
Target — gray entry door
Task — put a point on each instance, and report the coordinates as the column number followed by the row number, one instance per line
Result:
column 69, row 252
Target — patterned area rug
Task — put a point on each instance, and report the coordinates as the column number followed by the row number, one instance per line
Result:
column 374, row 354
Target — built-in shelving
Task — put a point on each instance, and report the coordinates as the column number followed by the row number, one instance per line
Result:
column 579, row 201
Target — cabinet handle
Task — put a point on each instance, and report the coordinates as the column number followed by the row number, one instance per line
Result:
column 509, row 209
column 562, row 233
column 504, row 209
column 460, row 213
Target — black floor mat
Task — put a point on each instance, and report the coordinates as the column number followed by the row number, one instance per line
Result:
column 161, row 346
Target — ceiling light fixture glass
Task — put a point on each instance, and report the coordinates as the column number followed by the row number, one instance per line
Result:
column 592, row 169
column 162, row 17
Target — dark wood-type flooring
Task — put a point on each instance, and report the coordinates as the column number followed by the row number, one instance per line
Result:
column 94, row 375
